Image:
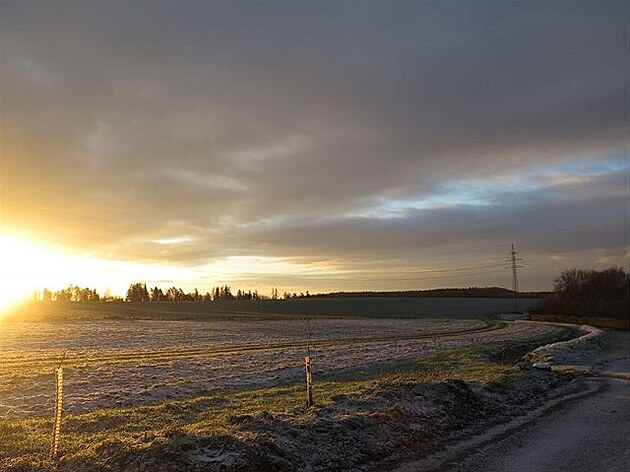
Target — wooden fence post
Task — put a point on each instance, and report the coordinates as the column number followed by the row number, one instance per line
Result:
column 309, row 380
column 56, row 435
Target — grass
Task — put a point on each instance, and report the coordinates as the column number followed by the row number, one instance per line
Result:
column 88, row 438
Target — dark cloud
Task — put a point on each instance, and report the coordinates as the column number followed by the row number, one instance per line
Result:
column 570, row 217
column 265, row 129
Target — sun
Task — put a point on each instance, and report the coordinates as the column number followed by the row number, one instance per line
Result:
column 27, row 266
column 22, row 264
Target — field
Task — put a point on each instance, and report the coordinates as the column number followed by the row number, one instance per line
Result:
column 133, row 372
column 236, row 309
column 126, row 361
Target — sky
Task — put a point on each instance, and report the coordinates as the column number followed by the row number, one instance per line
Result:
column 316, row 146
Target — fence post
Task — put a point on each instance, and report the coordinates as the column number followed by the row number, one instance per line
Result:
column 56, row 435
column 309, row 380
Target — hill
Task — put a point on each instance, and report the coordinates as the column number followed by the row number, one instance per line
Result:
column 469, row 292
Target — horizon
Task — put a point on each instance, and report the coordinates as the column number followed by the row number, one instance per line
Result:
column 245, row 292
column 332, row 147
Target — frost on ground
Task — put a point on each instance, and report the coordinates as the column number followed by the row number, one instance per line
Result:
column 376, row 429
column 439, row 381
column 572, row 351
column 113, row 363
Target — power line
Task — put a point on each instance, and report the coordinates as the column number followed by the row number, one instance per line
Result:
column 460, row 269
column 420, row 277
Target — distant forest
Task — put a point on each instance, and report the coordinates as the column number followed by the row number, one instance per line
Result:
column 470, row 292
column 139, row 292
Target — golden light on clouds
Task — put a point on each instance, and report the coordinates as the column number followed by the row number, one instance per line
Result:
column 280, row 159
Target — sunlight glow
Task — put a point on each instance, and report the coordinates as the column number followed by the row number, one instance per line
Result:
column 28, row 266
column 175, row 240
column 23, row 264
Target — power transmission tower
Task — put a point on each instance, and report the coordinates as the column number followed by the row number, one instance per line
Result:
column 515, row 263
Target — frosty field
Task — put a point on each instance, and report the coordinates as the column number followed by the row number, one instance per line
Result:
column 204, row 387
column 118, row 363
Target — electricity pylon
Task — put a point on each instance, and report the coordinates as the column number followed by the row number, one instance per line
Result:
column 515, row 263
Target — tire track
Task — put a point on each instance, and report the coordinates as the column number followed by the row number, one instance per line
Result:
column 176, row 354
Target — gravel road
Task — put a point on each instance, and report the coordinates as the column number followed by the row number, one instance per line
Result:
column 590, row 434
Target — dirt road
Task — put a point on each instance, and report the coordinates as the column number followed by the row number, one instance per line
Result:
column 582, row 435
column 578, row 431
column 590, row 434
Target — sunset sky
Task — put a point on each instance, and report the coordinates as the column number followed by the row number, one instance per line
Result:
column 311, row 145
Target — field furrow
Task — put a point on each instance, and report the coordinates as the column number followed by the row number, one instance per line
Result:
column 116, row 363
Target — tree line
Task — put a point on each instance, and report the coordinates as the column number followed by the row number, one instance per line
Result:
column 73, row 293
column 139, row 292
column 582, row 292
column 468, row 292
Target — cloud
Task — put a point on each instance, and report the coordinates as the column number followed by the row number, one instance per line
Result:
column 292, row 129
